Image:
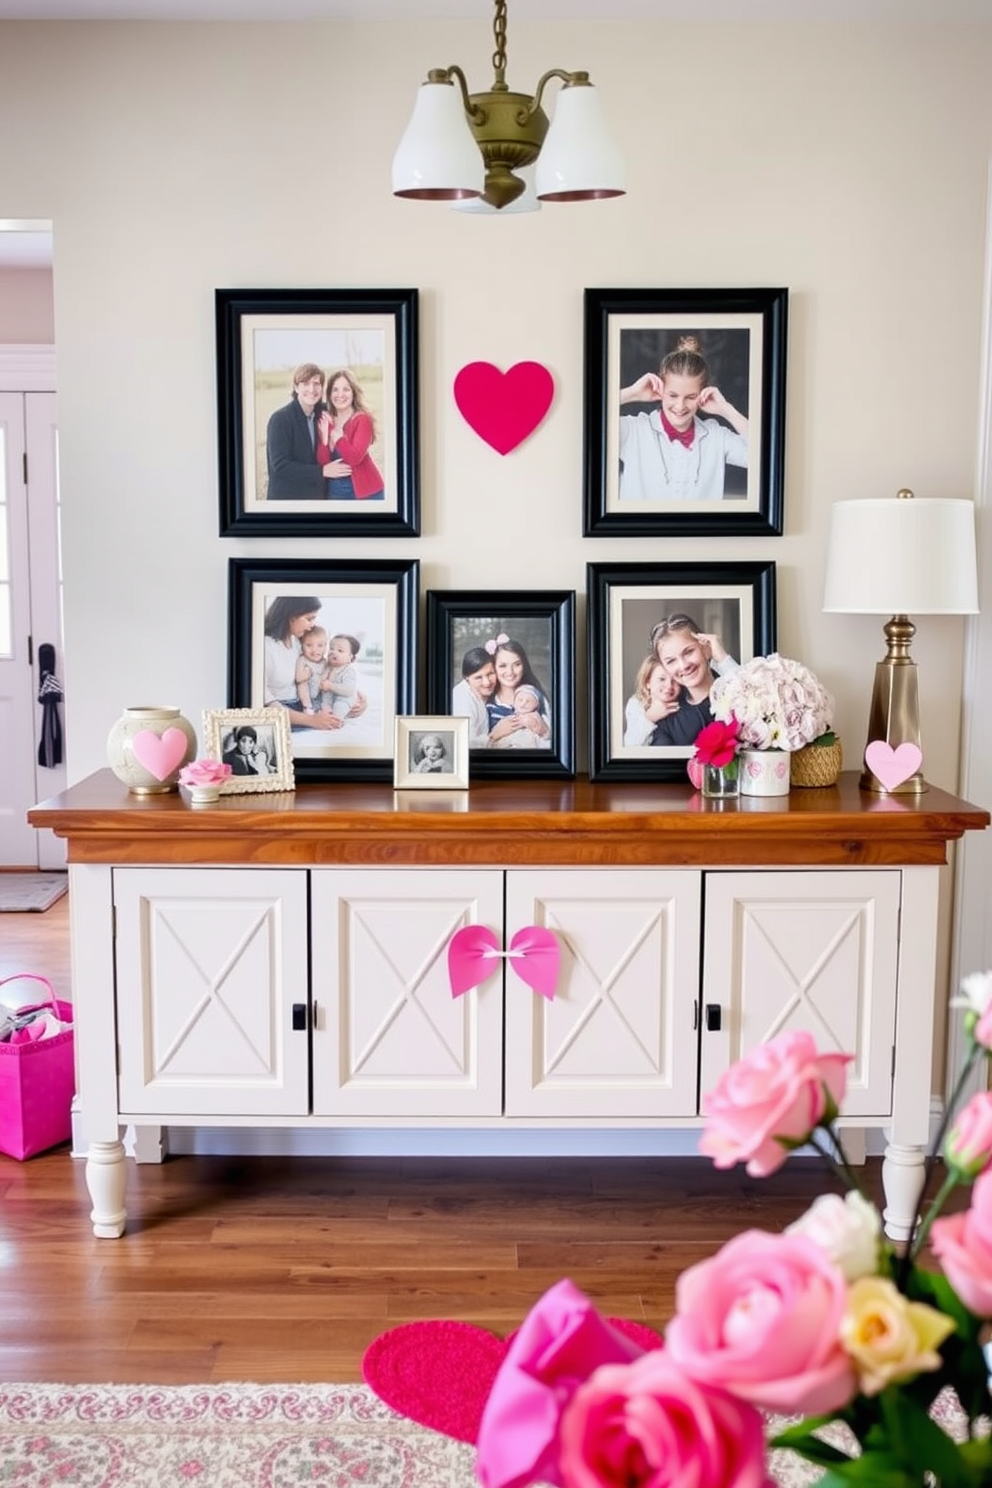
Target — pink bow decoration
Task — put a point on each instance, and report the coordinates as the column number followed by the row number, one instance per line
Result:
column 559, row 1343
column 534, row 953
column 493, row 646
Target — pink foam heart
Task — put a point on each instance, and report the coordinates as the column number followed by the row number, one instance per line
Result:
column 892, row 766
column 439, row 1373
column 160, row 754
column 470, row 961
column 503, row 407
column 694, row 770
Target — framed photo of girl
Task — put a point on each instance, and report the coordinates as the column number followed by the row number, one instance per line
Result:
column 255, row 742
column 317, row 412
column 333, row 644
column 684, row 412
column 506, row 662
column 659, row 636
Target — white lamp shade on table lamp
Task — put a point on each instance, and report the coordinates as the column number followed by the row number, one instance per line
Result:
column 897, row 557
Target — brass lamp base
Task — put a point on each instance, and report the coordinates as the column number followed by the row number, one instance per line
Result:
column 894, row 715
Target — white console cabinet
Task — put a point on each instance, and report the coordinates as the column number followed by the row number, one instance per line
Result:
column 282, row 960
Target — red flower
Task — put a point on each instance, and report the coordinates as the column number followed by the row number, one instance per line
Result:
column 716, row 744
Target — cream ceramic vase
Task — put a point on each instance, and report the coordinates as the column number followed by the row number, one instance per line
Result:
column 148, row 746
column 764, row 772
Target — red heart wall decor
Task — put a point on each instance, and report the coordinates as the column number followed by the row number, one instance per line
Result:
column 504, row 407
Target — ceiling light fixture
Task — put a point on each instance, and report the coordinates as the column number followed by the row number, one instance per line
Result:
column 461, row 145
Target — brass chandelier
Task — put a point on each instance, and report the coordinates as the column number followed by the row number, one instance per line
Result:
column 461, row 145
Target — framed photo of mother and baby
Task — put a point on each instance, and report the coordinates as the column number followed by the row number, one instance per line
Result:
column 684, row 429
column 317, row 408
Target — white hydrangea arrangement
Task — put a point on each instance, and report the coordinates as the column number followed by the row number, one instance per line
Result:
column 778, row 704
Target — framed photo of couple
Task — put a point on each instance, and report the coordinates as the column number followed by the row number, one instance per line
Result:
column 506, row 662
column 317, row 412
column 684, row 412
column 659, row 636
column 333, row 645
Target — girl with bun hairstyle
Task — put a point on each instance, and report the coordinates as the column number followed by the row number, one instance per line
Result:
column 671, row 452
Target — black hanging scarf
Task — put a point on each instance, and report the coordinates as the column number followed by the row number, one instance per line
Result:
column 50, row 696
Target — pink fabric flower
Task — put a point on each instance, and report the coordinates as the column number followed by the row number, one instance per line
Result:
column 963, row 1245
column 204, row 772
column 647, row 1425
column 968, row 1146
column 771, row 1101
column 762, row 1319
column 559, row 1344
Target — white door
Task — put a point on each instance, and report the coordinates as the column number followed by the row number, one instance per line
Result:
column 619, row 1036
column 811, row 951
column 30, row 616
column 389, row 1038
column 211, row 967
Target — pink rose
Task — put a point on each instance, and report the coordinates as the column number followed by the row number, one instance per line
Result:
column 559, row 1344
column 648, row 1424
column 968, row 1147
column 762, row 1319
column 963, row 1245
column 771, row 1101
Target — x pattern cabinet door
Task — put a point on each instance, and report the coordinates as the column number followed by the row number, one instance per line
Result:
column 619, row 1038
column 812, row 951
column 209, row 965
column 389, row 1038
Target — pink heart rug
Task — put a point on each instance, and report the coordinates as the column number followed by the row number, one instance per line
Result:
column 439, row 1372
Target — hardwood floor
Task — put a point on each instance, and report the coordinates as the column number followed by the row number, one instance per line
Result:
column 266, row 1270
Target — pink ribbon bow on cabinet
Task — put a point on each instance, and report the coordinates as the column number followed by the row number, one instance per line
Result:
column 534, row 955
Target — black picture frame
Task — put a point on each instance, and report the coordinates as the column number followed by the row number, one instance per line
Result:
column 625, row 600
column 742, row 336
column 376, row 603
column 542, row 622
column 262, row 335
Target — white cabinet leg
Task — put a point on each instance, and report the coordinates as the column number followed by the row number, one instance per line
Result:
column 105, row 1177
column 902, row 1179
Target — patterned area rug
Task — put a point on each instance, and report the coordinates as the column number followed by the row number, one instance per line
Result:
column 234, row 1436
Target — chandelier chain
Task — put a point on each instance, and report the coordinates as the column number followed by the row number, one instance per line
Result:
column 499, row 34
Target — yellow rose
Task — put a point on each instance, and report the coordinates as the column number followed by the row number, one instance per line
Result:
column 888, row 1337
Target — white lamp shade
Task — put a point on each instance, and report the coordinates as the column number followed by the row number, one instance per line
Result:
column 437, row 159
column 526, row 202
column 902, row 556
column 579, row 159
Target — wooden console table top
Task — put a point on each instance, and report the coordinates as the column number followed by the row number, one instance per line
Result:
column 509, row 823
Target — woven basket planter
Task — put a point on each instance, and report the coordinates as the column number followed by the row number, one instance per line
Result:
column 817, row 764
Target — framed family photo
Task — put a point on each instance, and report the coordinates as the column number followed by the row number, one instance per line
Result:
column 255, row 743
column 659, row 636
column 506, row 662
column 332, row 644
column 684, row 429
column 431, row 753
column 317, row 412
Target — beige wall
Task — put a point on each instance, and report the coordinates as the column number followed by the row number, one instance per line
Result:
column 848, row 163
column 27, row 309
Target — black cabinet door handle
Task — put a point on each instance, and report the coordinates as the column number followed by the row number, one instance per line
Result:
column 299, row 1017
column 713, row 1011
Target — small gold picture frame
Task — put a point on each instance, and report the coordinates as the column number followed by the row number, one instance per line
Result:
column 431, row 753
column 255, row 742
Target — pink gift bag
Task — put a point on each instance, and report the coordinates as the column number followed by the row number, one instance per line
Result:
column 37, row 1081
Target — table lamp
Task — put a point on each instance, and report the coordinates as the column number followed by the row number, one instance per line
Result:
column 894, row 557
